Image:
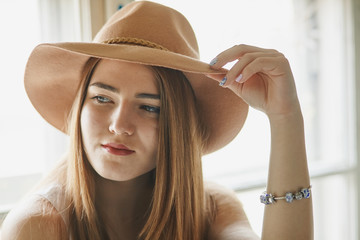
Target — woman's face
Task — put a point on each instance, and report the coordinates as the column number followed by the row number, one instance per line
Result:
column 119, row 120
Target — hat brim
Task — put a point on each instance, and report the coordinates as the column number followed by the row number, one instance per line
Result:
column 53, row 74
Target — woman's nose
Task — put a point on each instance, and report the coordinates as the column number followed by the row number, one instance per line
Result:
column 122, row 121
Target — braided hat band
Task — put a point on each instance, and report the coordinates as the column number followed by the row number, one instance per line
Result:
column 135, row 41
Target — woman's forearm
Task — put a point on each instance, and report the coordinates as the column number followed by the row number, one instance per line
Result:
column 288, row 172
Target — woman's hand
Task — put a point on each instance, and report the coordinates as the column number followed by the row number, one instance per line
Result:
column 261, row 77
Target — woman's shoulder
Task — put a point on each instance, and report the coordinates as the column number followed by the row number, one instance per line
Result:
column 34, row 218
column 225, row 202
column 223, row 197
column 229, row 218
column 217, row 190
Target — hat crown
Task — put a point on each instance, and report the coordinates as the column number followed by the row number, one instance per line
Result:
column 153, row 23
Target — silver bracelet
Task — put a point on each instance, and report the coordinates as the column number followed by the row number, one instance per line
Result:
column 268, row 198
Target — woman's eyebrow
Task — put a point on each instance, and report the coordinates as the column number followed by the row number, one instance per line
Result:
column 148, row 95
column 104, row 86
column 115, row 90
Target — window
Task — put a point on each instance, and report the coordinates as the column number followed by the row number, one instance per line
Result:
column 24, row 136
column 17, row 115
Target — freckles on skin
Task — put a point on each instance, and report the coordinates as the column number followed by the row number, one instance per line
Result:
column 87, row 120
column 150, row 130
column 121, row 96
column 154, row 138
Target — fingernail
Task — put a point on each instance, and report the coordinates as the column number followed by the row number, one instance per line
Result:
column 238, row 79
column 223, row 81
column 213, row 62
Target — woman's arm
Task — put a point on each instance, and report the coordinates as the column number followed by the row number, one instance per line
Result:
column 263, row 79
column 288, row 172
column 34, row 219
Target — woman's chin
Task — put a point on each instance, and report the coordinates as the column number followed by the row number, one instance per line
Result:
column 121, row 175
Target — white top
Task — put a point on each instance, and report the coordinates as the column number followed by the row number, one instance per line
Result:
column 56, row 196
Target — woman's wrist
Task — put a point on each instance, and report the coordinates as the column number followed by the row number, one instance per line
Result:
column 292, row 117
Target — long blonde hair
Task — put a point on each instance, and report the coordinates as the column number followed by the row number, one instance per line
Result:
column 179, row 208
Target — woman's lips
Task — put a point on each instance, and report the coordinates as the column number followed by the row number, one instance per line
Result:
column 117, row 149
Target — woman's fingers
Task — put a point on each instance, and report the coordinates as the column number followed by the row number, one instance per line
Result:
column 251, row 60
column 250, row 64
column 235, row 53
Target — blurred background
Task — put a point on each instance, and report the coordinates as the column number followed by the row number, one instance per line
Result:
column 321, row 39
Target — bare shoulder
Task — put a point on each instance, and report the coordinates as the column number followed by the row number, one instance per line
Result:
column 35, row 218
column 230, row 221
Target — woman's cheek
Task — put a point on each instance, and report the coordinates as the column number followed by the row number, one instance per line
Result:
column 92, row 117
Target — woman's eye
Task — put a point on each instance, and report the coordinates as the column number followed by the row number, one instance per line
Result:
column 151, row 109
column 101, row 99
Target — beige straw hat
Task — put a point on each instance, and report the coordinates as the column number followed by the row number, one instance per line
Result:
column 141, row 32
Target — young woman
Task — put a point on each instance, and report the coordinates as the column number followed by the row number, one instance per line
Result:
column 141, row 110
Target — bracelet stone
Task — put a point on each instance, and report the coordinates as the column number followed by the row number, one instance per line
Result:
column 268, row 198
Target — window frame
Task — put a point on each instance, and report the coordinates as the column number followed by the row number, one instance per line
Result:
column 355, row 50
